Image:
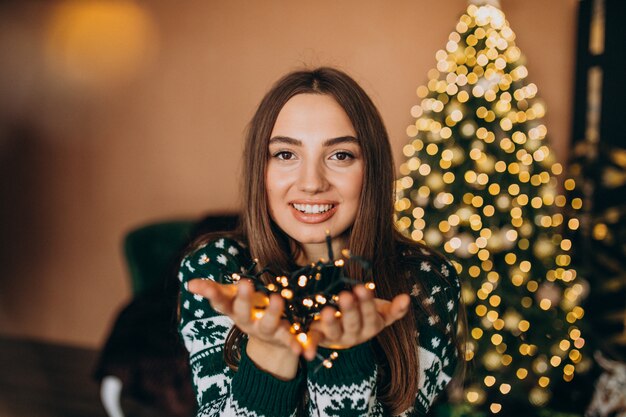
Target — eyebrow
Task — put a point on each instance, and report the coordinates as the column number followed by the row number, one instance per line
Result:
column 328, row 142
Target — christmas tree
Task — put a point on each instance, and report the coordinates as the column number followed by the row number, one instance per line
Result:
column 480, row 183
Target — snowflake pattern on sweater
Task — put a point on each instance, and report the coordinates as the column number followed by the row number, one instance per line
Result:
column 349, row 388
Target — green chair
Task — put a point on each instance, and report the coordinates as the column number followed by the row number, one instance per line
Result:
column 143, row 358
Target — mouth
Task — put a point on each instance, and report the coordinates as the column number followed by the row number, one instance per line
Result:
column 313, row 208
column 312, row 213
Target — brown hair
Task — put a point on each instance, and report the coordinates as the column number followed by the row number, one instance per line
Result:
column 272, row 247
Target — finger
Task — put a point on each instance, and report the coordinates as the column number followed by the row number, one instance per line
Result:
column 285, row 337
column 220, row 295
column 330, row 325
column 272, row 317
column 372, row 321
column 310, row 345
column 394, row 310
column 350, row 314
column 242, row 304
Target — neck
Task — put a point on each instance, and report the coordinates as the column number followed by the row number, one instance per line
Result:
column 313, row 252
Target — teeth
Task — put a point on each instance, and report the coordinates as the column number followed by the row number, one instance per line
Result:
column 313, row 208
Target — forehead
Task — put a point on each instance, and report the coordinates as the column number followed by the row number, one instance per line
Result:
column 312, row 116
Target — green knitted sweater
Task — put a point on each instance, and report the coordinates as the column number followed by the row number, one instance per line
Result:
column 350, row 387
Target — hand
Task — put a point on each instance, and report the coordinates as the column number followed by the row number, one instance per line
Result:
column 362, row 317
column 238, row 301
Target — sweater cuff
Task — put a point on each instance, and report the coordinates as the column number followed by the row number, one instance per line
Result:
column 258, row 390
column 353, row 363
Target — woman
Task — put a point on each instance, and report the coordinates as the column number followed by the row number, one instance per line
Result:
column 317, row 159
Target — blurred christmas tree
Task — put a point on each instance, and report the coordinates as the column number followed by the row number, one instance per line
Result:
column 480, row 184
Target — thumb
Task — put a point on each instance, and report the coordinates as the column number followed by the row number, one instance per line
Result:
column 396, row 309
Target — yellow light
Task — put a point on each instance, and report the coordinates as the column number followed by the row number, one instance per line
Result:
column 544, row 381
column 505, row 388
column 477, row 201
column 489, row 210
column 523, row 325
column 287, row 293
column 492, row 316
column 525, row 266
column 370, row 286
column 302, row 280
column 481, row 310
column 495, row 408
column 545, row 304
column 494, row 300
column 408, row 150
column 307, row 302
column 569, row 184
column 489, row 380
column 496, row 339
column 522, row 373
column 524, row 349
column 320, row 299
column 472, row 396
column 510, row 258
column 477, row 333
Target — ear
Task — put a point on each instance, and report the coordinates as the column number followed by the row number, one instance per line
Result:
column 605, row 363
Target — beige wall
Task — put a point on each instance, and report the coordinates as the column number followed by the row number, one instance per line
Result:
column 83, row 161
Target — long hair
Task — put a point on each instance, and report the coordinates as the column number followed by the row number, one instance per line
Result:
column 272, row 247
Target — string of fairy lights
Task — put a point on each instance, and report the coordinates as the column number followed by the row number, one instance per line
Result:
column 481, row 183
column 305, row 291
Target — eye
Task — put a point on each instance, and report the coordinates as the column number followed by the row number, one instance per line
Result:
column 342, row 156
column 284, row 155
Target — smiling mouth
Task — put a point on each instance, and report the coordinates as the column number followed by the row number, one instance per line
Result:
column 313, row 208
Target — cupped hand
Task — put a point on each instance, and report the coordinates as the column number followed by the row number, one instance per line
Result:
column 362, row 317
column 241, row 303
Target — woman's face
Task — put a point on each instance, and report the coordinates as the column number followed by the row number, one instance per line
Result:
column 315, row 169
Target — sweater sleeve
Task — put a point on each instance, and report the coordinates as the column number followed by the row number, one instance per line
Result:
column 437, row 351
column 350, row 387
column 219, row 390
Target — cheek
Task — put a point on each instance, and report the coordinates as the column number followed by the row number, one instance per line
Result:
column 352, row 185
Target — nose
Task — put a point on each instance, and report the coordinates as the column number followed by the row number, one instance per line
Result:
column 312, row 178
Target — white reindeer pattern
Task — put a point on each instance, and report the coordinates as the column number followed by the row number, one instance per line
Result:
column 203, row 383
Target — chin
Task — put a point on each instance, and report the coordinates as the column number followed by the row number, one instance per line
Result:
column 309, row 238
